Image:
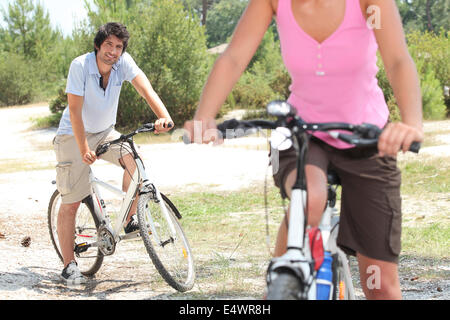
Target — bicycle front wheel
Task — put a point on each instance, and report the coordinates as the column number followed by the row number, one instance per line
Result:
column 285, row 286
column 165, row 241
column 86, row 224
column 342, row 280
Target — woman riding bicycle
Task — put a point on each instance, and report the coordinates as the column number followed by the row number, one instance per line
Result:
column 329, row 48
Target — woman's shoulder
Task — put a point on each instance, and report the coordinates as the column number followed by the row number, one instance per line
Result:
column 273, row 4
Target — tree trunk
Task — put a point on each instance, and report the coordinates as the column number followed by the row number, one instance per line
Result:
column 204, row 11
column 428, row 7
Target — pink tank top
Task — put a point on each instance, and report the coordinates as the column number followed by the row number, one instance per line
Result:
column 333, row 81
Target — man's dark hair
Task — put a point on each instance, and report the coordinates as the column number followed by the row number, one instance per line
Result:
column 111, row 28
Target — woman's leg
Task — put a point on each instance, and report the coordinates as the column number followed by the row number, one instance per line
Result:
column 316, row 181
column 379, row 279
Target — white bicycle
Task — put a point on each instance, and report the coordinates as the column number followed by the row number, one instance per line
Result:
column 159, row 228
column 294, row 274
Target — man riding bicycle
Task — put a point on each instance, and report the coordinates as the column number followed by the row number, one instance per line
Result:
column 93, row 89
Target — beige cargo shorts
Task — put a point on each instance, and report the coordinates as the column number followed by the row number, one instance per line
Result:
column 72, row 174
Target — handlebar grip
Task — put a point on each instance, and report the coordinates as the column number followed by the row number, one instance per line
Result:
column 228, row 124
column 415, row 147
column 149, row 126
column 186, row 139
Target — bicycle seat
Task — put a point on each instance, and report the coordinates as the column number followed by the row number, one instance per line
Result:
column 333, row 178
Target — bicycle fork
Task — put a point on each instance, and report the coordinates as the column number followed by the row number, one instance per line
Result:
column 149, row 187
column 297, row 259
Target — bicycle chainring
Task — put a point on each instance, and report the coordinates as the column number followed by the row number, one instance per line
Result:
column 107, row 243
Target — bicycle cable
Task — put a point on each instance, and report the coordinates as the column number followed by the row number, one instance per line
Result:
column 283, row 201
column 127, row 148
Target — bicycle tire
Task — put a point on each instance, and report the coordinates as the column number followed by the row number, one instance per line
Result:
column 285, row 286
column 341, row 287
column 87, row 224
column 337, row 278
column 171, row 257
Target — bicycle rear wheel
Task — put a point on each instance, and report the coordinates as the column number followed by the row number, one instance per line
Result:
column 86, row 224
column 170, row 253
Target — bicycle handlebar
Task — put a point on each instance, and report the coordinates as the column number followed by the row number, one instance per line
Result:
column 148, row 127
column 364, row 135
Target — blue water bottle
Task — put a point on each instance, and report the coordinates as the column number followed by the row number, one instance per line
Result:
column 324, row 281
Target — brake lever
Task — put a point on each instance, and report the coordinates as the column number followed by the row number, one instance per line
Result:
column 101, row 149
column 368, row 131
column 355, row 140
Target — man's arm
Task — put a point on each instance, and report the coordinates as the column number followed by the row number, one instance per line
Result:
column 75, row 109
column 145, row 89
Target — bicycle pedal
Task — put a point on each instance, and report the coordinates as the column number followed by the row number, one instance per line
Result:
column 81, row 247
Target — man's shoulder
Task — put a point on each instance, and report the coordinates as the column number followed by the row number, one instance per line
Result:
column 83, row 59
column 126, row 59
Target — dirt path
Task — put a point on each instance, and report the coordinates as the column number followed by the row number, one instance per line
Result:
column 33, row 272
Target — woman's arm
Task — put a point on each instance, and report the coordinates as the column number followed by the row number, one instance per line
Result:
column 231, row 64
column 402, row 75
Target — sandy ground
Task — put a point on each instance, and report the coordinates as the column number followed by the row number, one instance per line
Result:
column 33, row 272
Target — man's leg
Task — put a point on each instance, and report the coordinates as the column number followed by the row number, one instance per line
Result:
column 66, row 230
column 129, row 165
column 379, row 279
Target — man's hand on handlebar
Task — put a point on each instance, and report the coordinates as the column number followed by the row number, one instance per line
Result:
column 398, row 136
column 163, row 125
column 88, row 157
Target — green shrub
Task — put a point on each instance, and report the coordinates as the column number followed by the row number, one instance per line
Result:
column 394, row 111
column 170, row 47
column 266, row 78
column 253, row 91
column 59, row 103
column 431, row 54
column 432, row 97
column 434, row 51
column 16, row 80
column 222, row 19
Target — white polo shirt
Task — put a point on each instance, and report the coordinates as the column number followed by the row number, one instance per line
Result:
column 100, row 106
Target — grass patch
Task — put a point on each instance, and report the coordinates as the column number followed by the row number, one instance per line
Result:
column 151, row 138
column 434, row 138
column 425, row 176
column 11, row 166
column 45, row 122
column 427, row 241
column 227, row 233
column 204, row 204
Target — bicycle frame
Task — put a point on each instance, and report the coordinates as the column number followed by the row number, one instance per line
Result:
column 139, row 184
column 298, row 255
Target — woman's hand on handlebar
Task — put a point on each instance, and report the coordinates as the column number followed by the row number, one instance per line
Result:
column 202, row 131
column 163, row 125
column 398, row 136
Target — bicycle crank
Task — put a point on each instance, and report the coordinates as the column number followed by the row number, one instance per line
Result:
column 107, row 244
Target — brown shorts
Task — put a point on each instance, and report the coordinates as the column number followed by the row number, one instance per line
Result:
column 72, row 174
column 370, row 219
